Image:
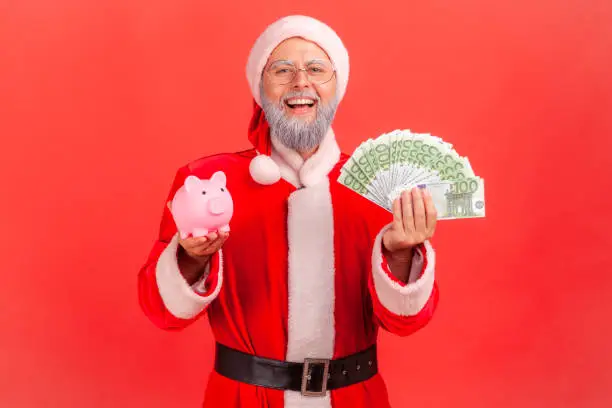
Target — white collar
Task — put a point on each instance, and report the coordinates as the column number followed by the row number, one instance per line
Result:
column 307, row 173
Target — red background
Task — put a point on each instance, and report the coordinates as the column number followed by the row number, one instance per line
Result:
column 101, row 101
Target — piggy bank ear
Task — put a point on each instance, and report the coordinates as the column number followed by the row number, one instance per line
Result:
column 192, row 183
column 219, row 178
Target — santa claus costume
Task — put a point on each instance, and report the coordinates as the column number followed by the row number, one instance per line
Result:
column 302, row 274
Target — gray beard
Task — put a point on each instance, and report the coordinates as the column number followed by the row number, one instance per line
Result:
column 294, row 133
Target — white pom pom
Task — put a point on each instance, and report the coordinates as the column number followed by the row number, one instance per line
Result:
column 263, row 170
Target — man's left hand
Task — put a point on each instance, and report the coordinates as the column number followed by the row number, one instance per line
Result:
column 414, row 221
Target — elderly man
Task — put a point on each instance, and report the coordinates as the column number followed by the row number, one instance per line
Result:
column 297, row 291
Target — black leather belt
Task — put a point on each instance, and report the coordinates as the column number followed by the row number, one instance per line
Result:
column 313, row 377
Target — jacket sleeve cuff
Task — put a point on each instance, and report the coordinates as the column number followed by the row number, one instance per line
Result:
column 404, row 299
column 181, row 299
column 200, row 286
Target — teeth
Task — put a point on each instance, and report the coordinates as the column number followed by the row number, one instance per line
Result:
column 300, row 102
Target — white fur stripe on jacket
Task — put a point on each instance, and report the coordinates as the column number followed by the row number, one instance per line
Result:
column 311, row 327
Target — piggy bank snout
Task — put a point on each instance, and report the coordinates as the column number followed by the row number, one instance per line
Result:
column 218, row 206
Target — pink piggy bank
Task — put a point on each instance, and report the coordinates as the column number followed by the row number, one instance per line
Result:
column 202, row 206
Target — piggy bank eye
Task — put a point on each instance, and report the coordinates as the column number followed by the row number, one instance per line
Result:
column 203, row 192
column 222, row 189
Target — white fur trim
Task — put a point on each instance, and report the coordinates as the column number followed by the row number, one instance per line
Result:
column 264, row 170
column 403, row 300
column 311, row 331
column 292, row 158
column 320, row 164
column 295, row 400
column 297, row 26
column 311, row 172
column 286, row 172
column 178, row 297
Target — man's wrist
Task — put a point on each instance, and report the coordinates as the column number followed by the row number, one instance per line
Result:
column 191, row 267
column 399, row 262
column 399, row 256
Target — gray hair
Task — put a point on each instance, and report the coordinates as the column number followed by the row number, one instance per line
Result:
column 292, row 132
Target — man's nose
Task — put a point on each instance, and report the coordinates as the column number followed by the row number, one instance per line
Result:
column 301, row 79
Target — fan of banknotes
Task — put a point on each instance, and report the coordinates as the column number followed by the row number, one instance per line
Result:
column 380, row 169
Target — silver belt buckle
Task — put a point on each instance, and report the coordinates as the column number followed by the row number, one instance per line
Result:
column 306, row 377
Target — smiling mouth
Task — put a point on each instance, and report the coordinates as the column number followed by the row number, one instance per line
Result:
column 300, row 105
column 296, row 103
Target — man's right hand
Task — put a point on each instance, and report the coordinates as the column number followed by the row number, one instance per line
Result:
column 202, row 248
column 195, row 252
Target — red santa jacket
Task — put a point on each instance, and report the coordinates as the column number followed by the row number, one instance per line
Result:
column 301, row 275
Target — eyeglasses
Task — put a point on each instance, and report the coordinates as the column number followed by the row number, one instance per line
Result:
column 284, row 72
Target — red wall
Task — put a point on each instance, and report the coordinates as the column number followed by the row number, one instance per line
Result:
column 101, row 101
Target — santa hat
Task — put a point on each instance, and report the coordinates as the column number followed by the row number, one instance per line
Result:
column 262, row 168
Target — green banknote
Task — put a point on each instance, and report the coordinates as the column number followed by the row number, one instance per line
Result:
column 461, row 199
column 383, row 157
column 363, row 159
column 451, row 168
column 453, row 200
column 353, row 167
column 381, row 168
column 394, row 143
column 363, row 169
column 407, row 169
column 370, row 155
column 351, row 182
column 372, row 186
column 348, row 180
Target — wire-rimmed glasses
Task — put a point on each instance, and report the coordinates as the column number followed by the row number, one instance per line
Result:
column 283, row 72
